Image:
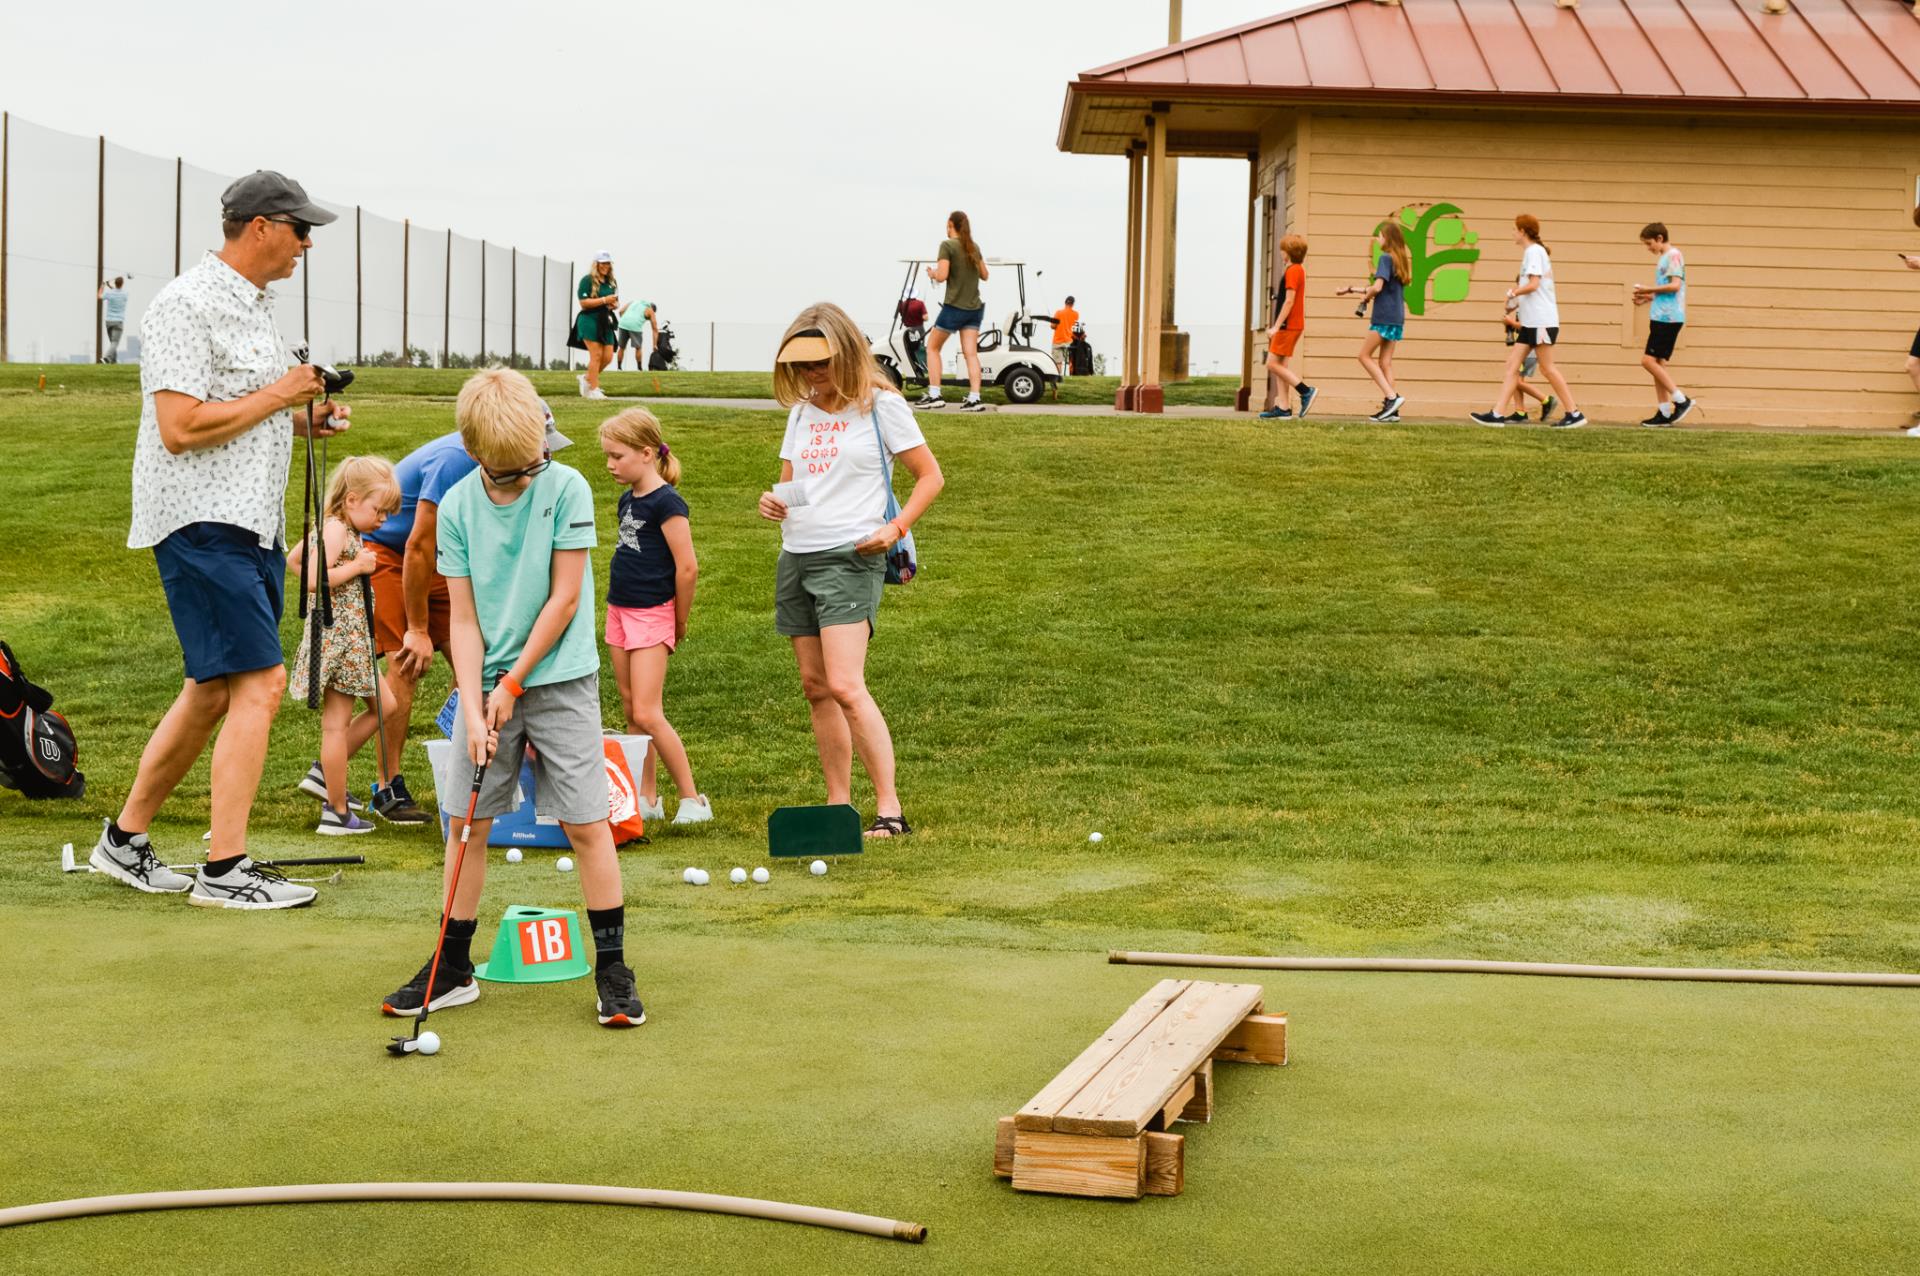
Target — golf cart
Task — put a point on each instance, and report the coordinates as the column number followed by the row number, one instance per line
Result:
column 1008, row 357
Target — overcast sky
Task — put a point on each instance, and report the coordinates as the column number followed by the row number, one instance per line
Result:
column 740, row 158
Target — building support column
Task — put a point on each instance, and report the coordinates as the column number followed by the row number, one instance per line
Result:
column 1149, row 397
column 1244, row 399
column 1130, row 308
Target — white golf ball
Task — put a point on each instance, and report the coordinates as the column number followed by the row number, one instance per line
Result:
column 737, row 876
column 690, row 876
column 818, row 868
column 1095, row 837
column 513, row 855
column 762, row 875
column 429, row 1042
column 564, row 864
column 700, row 877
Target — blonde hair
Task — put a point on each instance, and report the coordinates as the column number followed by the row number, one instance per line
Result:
column 594, row 287
column 1394, row 240
column 851, row 369
column 500, row 419
column 1295, row 247
column 368, row 477
column 638, row 428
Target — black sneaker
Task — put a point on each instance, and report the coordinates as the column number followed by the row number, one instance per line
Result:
column 314, row 785
column 1516, row 418
column 1307, row 395
column 452, row 986
column 615, row 1000
column 1487, row 418
column 395, row 805
column 1391, row 409
column 1680, row 408
column 929, row 401
column 1547, row 405
column 972, row 403
column 1571, row 421
column 1658, row 421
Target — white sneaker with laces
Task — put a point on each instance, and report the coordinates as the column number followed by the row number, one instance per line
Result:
column 581, row 377
column 653, row 810
column 248, row 885
column 136, row 865
column 694, row 810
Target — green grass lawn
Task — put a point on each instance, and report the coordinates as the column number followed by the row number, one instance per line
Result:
column 1613, row 697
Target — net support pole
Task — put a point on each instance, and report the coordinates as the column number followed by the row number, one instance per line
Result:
column 99, row 249
column 543, row 310
column 513, row 307
column 446, row 307
column 179, row 176
column 359, row 295
column 406, row 287
column 483, row 304
column 6, row 156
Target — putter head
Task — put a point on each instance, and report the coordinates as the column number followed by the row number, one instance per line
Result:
column 401, row 1046
column 66, row 860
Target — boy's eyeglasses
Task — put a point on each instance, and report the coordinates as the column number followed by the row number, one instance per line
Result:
column 300, row 229
column 503, row 478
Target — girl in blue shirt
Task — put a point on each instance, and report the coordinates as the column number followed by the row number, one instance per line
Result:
column 1387, row 291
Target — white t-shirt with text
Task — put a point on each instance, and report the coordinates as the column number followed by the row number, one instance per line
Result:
column 1539, row 308
column 837, row 457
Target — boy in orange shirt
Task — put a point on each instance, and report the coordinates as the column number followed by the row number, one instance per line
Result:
column 1288, row 325
column 1063, row 321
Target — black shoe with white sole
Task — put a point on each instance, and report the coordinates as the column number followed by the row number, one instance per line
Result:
column 928, row 402
column 1487, row 418
column 395, row 805
column 452, row 986
column 972, row 403
column 250, row 886
column 1571, row 421
column 1681, row 407
column 1658, row 421
column 134, row 864
column 314, row 785
column 1307, row 395
column 615, row 1000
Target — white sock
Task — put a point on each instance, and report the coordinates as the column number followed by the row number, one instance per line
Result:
column 1679, row 395
column 1666, row 409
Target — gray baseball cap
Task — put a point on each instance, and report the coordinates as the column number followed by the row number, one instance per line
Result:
column 555, row 439
column 265, row 193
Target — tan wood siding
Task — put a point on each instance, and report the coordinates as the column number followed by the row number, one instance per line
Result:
column 1797, row 314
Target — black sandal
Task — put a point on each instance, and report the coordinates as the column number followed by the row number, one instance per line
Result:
column 890, row 826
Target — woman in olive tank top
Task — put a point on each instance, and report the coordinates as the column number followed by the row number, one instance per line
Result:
column 961, row 267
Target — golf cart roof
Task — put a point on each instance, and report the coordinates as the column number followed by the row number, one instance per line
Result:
column 991, row 261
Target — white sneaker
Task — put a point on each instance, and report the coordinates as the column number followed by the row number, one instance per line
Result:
column 654, row 810
column 1913, row 432
column 581, row 377
column 136, row 865
column 694, row 810
column 248, row 885
column 596, row 393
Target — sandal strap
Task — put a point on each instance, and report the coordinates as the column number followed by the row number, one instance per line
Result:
column 894, row 825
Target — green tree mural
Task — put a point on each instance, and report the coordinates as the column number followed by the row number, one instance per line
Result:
column 1443, row 254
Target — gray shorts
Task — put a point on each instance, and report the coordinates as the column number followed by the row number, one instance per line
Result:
column 561, row 721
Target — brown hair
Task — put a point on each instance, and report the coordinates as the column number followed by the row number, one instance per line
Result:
column 1654, row 230
column 852, row 370
column 638, row 428
column 963, row 231
column 1528, row 225
column 1916, row 214
column 1295, row 247
column 1394, row 241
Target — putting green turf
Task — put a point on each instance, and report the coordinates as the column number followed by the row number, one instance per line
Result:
column 1434, row 1124
column 1615, row 697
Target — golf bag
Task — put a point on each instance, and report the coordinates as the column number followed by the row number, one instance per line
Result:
column 664, row 357
column 38, row 754
column 917, row 351
column 1080, row 353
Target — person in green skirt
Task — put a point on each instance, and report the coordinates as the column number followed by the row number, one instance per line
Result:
column 597, row 324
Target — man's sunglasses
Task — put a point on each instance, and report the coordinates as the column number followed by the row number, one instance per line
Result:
column 300, row 229
column 532, row 471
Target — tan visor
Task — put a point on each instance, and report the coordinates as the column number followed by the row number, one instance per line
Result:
column 805, row 348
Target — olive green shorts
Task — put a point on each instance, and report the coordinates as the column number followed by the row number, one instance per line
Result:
column 826, row 587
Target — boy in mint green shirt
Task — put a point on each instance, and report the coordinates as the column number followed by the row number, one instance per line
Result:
column 514, row 539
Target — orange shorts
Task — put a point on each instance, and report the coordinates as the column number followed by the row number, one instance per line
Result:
column 1283, row 341
column 390, row 603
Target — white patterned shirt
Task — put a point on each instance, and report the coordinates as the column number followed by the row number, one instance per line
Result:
column 210, row 334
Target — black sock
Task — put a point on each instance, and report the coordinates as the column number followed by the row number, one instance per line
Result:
column 117, row 836
column 220, row 868
column 609, row 934
column 457, row 951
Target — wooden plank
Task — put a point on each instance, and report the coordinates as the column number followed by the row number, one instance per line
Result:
column 1166, row 1163
column 1137, row 1082
column 1170, row 1110
column 1039, row 1113
column 1200, row 1107
column 1079, row 1164
column 1003, row 1148
column 1256, row 1039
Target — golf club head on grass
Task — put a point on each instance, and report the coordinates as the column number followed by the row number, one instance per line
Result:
column 400, row 1047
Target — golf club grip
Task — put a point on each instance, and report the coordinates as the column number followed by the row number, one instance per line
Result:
column 313, row 661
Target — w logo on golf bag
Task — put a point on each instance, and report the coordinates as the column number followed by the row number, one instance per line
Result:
column 49, row 751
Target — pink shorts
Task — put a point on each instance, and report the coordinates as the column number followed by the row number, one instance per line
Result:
column 631, row 628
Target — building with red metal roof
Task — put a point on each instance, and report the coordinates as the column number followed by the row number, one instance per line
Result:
column 1776, row 138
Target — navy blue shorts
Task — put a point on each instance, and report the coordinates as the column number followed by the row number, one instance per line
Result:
column 225, row 594
column 954, row 319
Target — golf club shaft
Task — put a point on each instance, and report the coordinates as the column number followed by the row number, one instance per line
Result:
column 373, row 645
column 453, row 888
column 320, row 501
column 306, row 516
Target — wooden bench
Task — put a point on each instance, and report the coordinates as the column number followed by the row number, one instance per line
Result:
column 1103, row 1127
